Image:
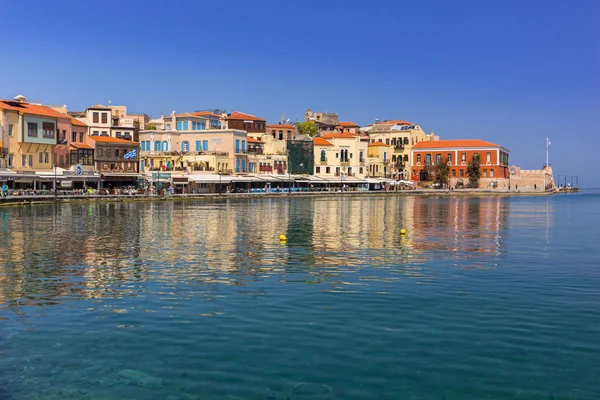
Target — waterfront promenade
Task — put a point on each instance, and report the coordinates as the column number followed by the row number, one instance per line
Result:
column 49, row 198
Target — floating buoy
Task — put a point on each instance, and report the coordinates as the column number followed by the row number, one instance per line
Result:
column 403, row 231
column 282, row 238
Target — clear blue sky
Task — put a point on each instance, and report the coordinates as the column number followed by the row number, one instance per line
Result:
column 511, row 72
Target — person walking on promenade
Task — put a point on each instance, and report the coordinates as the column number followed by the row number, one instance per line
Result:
column 4, row 191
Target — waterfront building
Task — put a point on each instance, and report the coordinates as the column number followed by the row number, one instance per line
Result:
column 29, row 135
column 255, row 126
column 400, row 136
column 217, row 150
column 341, row 155
column 379, row 160
column 116, row 159
column 458, row 154
column 104, row 121
column 74, row 146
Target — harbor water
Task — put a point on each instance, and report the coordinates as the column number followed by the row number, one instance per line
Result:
column 482, row 298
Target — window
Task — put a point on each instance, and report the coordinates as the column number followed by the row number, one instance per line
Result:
column 95, row 133
column 156, row 146
column 185, row 125
column 116, row 152
column 165, row 146
column 463, row 157
column 205, row 145
column 179, row 125
column 243, row 146
column 185, row 146
column 143, row 146
column 104, row 118
column 405, row 140
column 450, row 157
column 41, row 157
column 32, row 129
column 104, row 133
column 237, row 165
column 337, row 155
column 10, row 160
column 438, row 158
column 491, row 173
column 48, row 130
column 46, row 158
column 337, row 170
column 427, row 159
column 81, row 137
column 454, row 173
column 30, row 160
column 23, row 160
column 237, row 145
column 64, row 135
column 323, row 156
column 119, row 134
column 73, row 136
column 280, row 135
column 418, row 158
column 361, row 157
column 193, row 125
column 360, row 170
column 387, row 141
column 198, row 144
column 318, row 170
column 95, row 117
column 168, row 127
column 10, row 130
column 462, row 173
column 485, row 173
column 327, row 170
column 488, row 157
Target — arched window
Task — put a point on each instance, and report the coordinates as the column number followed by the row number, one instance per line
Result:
column 361, row 157
column 185, row 146
column 323, row 155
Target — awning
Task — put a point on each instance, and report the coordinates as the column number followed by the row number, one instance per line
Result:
column 120, row 175
column 210, row 178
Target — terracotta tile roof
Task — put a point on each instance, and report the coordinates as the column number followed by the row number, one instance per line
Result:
column 82, row 146
column 205, row 114
column 451, row 144
column 340, row 135
column 77, row 122
column 108, row 139
column 348, row 124
column 252, row 140
column 378, row 144
column 280, row 126
column 32, row 109
column 396, row 122
column 242, row 116
column 319, row 141
column 194, row 115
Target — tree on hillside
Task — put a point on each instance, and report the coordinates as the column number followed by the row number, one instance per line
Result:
column 308, row 128
column 442, row 171
column 473, row 171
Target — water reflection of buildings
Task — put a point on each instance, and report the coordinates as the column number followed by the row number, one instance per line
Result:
column 461, row 224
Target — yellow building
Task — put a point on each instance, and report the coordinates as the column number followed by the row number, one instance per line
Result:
column 379, row 160
column 400, row 136
column 28, row 135
column 340, row 155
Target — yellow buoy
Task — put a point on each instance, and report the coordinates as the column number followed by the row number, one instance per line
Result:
column 282, row 238
column 403, row 231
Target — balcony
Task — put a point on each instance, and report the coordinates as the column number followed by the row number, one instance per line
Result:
column 323, row 161
column 399, row 146
column 256, row 151
column 345, row 163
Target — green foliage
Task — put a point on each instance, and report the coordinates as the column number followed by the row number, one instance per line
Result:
column 308, row 128
column 442, row 171
column 473, row 171
column 151, row 127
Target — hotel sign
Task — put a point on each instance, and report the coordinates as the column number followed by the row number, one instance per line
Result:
column 161, row 175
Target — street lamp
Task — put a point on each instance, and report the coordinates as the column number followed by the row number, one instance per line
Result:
column 54, row 179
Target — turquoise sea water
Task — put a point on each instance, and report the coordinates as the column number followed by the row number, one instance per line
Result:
column 483, row 298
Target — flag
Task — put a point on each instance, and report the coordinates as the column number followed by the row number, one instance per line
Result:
column 131, row 154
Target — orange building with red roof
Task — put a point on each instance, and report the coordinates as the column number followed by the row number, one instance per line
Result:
column 117, row 160
column 458, row 154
